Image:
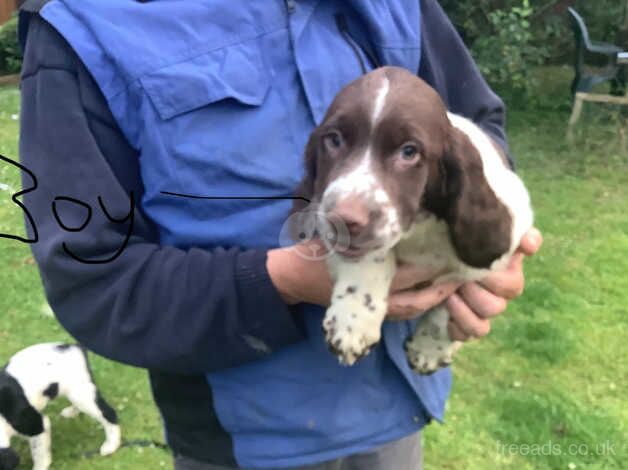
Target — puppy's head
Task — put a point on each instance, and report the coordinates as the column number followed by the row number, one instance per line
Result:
column 368, row 163
column 385, row 153
column 16, row 409
column 8, row 458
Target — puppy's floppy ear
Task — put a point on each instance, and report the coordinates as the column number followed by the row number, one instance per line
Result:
column 6, row 398
column 16, row 408
column 305, row 190
column 302, row 222
column 479, row 223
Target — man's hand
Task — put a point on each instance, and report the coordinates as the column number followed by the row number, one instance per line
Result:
column 474, row 304
column 299, row 278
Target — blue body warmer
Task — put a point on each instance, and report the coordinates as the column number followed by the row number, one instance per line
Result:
column 219, row 97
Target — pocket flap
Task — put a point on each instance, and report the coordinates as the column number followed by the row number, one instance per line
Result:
column 235, row 72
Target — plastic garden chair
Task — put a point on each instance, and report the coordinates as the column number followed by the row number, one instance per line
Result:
column 584, row 81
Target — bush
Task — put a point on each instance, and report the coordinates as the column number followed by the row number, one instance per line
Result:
column 505, row 56
column 500, row 35
column 10, row 53
column 509, row 37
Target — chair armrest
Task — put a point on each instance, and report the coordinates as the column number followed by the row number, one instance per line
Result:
column 603, row 48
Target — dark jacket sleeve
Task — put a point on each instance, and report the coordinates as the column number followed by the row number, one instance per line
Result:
column 448, row 67
column 153, row 306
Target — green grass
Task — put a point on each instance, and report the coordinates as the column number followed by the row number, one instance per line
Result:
column 23, row 322
column 552, row 375
column 553, row 372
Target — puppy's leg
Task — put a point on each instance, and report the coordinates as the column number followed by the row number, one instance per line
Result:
column 40, row 447
column 359, row 303
column 430, row 347
column 70, row 412
column 88, row 400
column 8, row 458
column 6, row 433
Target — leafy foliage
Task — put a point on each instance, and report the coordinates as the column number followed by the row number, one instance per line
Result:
column 10, row 54
column 506, row 55
column 509, row 37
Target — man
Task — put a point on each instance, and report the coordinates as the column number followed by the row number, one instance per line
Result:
column 182, row 123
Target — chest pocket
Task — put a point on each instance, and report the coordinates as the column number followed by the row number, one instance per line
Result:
column 216, row 128
column 234, row 72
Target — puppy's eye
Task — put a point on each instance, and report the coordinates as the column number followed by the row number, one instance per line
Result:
column 409, row 153
column 333, row 140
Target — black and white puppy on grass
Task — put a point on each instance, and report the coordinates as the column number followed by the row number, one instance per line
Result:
column 32, row 378
column 395, row 177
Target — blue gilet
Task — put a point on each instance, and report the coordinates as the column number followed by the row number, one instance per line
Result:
column 219, row 98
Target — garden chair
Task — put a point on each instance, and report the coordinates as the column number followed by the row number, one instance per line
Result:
column 584, row 81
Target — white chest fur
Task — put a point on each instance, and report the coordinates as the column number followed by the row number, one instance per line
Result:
column 427, row 244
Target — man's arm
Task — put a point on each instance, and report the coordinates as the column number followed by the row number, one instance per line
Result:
column 448, row 67
column 153, row 306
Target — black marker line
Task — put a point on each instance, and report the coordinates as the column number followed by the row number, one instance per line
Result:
column 75, row 201
column 22, row 206
column 192, row 196
column 130, row 217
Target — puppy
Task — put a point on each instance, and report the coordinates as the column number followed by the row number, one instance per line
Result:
column 32, row 378
column 394, row 177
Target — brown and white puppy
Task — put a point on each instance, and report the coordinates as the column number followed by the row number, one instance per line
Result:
column 408, row 182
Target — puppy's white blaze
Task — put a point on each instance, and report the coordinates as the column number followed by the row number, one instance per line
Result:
column 380, row 100
column 506, row 185
column 360, row 180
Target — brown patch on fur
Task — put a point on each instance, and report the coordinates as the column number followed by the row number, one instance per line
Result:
column 479, row 223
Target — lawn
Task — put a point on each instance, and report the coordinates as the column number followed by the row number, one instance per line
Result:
column 547, row 388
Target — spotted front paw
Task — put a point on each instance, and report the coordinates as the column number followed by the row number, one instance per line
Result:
column 352, row 325
column 426, row 355
column 70, row 412
column 430, row 348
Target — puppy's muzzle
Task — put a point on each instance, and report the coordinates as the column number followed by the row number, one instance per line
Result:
column 359, row 219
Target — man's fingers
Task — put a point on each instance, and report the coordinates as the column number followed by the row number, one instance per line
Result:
column 466, row 319
column 455, row 333
column 531, row 242
column 409, row 304
column 480, row 301
column 507, row 284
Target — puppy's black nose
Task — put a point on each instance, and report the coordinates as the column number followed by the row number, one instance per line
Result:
column 353, row 212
